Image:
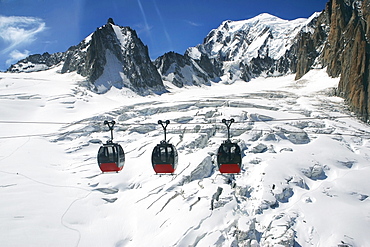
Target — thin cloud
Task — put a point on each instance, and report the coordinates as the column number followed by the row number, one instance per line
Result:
column 16, row 55
column 19, row 30
column 146, row 28
column 191, row 23
column 142, row 28
column 163, row 24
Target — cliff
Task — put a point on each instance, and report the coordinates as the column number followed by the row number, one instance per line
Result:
column 340, row 43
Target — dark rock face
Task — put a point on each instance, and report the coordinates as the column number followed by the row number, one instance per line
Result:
column 182, row 70
column 37, row 62
column 110, row 20
column 353, row 61
column 309, row 45
column 71, row 64
column 172, row 63
column 114, row 56
column 346, row 51
column 340, row 43
column 339, row 14
column 211, row 66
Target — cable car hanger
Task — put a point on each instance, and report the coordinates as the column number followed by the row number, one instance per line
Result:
column 228, row 124
column 110, row 126
column 164, row 126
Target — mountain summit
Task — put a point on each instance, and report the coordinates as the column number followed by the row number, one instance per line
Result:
column 263, row 45
column 111, row 56
column 114, row 56
column 239, row 50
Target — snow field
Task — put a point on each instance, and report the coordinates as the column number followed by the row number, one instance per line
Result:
column 304, row 180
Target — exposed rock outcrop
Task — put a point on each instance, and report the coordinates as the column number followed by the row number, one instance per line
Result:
column 37, row 62
column 309, row 45
column 111, row 56
column 183, row 70
column 114, row 56
column 354, row 56
column 340, row 43
column 346, row 50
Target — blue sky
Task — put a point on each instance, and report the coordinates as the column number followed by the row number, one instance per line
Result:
column 37, row 26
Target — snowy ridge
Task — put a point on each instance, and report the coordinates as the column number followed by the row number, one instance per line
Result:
column 182, row 70
column 113, row 74
column 123, row 38
column 238, row 50
column 111, row 56
column 263, row 35
column 304, row 179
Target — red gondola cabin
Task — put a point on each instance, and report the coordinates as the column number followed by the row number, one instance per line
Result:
column 111, row 157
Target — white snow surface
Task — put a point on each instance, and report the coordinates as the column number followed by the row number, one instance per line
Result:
column 304, row 179
column 112, row 75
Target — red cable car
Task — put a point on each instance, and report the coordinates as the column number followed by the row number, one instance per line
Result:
column 164, row 156
column 229, row 158
column 111, row 157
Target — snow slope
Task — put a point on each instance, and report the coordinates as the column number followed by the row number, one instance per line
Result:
column 304, row 180
column 263, row 35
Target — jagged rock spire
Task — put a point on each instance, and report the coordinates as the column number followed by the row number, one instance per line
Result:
column 110, row 21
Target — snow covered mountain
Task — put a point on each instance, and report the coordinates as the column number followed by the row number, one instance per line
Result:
column 258, row 46
column 262, row 36
column 304, row 179
column 114, row 55
column 336, row 39
column 110, row 56
column 182, row 70
column 262, row 46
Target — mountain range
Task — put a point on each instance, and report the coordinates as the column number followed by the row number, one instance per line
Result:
column 265, row 46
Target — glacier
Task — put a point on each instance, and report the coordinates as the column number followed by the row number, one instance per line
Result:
column 304, row 180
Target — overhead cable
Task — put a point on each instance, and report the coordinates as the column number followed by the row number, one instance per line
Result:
column 172, row 123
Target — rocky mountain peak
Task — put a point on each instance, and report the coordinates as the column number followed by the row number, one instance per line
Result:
column 114, row 56
column 347, row 52
column 186, row 70
column 263, row 45
column 110, row 21
column 111, row 56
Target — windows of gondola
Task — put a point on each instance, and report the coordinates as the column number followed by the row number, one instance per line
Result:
column 111, row 154
column 121, row 155
column 229, row 153
column 164, row 154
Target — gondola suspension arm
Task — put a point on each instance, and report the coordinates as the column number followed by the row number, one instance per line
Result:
column 164, row 126
column 228, row 124
column 110, row 126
